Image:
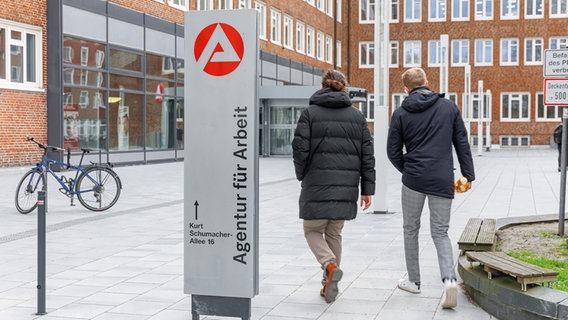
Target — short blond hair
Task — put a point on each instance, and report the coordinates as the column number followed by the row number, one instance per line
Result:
column 415, row 77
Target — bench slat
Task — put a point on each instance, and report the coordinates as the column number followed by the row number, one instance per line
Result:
column 506, row 264
column 486, row 232
column 470, row 232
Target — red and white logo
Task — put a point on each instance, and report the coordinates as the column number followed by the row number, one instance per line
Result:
column 159, row 93
column 218, row 49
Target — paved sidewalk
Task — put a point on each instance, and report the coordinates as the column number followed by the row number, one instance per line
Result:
column 127, row 263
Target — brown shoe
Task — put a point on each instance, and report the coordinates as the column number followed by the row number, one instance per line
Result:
column 330, row 290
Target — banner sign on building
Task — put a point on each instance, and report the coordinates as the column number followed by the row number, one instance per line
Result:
column 221, row 155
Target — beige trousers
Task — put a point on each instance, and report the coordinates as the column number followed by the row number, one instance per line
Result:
column 324, row 239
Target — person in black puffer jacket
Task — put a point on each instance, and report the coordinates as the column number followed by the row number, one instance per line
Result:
column 426, row 126
column 333, row 157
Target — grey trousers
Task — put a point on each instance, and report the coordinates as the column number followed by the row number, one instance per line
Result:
column 440, row 209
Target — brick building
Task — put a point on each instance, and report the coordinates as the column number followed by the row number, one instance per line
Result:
column 109, row 75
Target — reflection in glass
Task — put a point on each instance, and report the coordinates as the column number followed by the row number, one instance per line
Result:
column 126, row 126
column 84, row 119
column 83, row 53
column 126, row 82
column 125, row 60
column 160, row 122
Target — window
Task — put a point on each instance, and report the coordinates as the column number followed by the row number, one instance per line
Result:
column 397, row 100
column 311, row 2
column 320, row 45
column 533, row 9
column 394, row 10
column 546, row 113
column 515, row 106
column 338, row 53
column 412, row 53
column 366, row 54
column 558, row 42
column 483, row 52
column 84, row 99
column 67, row 54
column 509, row 9
column 393, row 57
column 22, row 66
column 245, row 4
column 288, row 32
column 84, row 77
column 310, row 41
column 412, row 10
column 338, row 9
column 204, row 4
column 483, row 9
column 328, row 49
column 182, row 4
column 515, row 141
column 320, row 5
column 460, row 52
column 225, row 4
column 366, row 11
column 437, row 10
column 84, row 56
column 558, row 8
column 533, row 51
column 300, row 37
column 261, row 8
column 275, row 26
column 509, row 52
column 434, row 59
column 329, row 7
column 460, row 9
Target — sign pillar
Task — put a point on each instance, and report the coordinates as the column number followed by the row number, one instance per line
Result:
column 221, row 163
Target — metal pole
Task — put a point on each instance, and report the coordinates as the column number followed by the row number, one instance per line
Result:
column 444, row 40
column 41, row 252
column 467, row 98
column 480, row 117
column 488, row 120
column 563, row 171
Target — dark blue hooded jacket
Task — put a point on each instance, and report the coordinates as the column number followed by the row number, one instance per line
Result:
column 427, row 125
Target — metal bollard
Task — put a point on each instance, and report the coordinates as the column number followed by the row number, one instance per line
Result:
column 41, row 252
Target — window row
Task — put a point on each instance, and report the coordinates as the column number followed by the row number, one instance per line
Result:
column 21, row 59
column 462, row 10
column 459, row 51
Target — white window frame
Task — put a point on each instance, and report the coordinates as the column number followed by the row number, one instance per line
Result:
column 245, row 4
column 395, row 12
column 84, row 56
column 393, row 54
column 556, row 7
column 320, row 4
column 367, row 6
column 510, row 9
column 511, row 59
column 534, row 6
column 67, row 54
column 558, row 42
column 84, row 77
column 338, row 48
column 311, row 3
column 338, row 4
column 460, row 6
column 300, row 37
column 509, row 138
column 396, row 100
column 25, row 30
column 329, row 7
column 437, row 10
column 99, row 58
column 434, row 53
column 413, row 50
column 515, row 97
column 320, row 46
column 224, row 4
column 84, row 99
column 328, row 49
column 462, row 47
column 539, row 106
column 482, row 12
column 310, row 41
column 275, row 26
column 366, row 54
column 288, row 32
column 261, row 8
column 415, row 12
column 183, row 4
column 481, row 46
column 536, row 49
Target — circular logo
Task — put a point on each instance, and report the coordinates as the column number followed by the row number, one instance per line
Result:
column 159, row 93
column 218, row 49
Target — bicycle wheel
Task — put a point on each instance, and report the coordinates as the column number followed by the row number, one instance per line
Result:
column 26, row 193
column 98, row 188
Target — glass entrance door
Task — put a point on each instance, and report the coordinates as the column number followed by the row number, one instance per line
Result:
column 283, row 121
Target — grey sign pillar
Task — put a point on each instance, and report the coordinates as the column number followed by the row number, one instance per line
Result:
column 221, row 162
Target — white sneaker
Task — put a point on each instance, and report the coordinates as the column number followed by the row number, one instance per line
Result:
column 407, row 285
column 450, row 296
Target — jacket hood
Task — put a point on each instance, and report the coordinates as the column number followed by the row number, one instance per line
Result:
column 420, row 99
column 329, row 98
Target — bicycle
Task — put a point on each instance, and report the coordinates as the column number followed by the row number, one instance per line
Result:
column 96, row 186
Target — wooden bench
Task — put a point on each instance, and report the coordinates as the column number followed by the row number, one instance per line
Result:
column 478, row 235
column 500, row 262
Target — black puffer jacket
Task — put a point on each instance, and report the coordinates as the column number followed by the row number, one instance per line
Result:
column 333, row 154
column 427, row 125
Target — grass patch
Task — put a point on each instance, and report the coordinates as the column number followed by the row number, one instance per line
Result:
column 533, row 258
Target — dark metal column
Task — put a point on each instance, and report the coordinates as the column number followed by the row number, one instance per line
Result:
column 55, row 76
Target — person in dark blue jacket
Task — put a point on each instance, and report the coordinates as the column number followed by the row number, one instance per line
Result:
column 333, row 157
column 420, row 139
